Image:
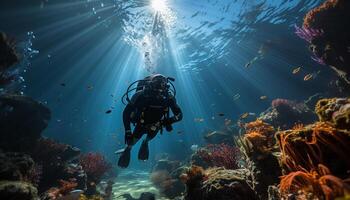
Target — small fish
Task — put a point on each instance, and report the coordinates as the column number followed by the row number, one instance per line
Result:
column 228, row 122
column 221, row 114
column 236, row 97
column 198, row 119
column 90, row 87
column 244, row 115
column 179, row 132
column 247, row 65
column 108, row 111
column 296, row 70
column 213, row 118
column 308, row 77
column 63, row 84
column 194, row 147
column 263, row 97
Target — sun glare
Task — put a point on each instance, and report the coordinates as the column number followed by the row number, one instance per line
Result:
column 159, row 5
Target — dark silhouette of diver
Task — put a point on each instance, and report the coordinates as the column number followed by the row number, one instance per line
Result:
column 149, row 111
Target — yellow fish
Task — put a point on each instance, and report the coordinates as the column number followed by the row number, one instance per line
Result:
column 263, row 97
column 296, row 70
column 308, row 77
column 244, row 115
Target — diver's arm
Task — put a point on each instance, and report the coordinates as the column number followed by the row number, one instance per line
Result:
column 175, row 108
column 127, row 117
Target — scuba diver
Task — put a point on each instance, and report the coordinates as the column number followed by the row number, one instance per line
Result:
column 149, row 111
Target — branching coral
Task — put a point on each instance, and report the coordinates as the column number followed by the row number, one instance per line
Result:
column 319, row 143
column 95, row 166
column 318, row 182
column 220, row 155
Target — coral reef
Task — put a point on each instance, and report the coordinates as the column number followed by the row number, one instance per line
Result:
column 165, row 176
column 332, row 45
column 217, row 183
column 169, row 186
column 303, row 148
column 314, row 158
column 21, row 120
column 17, row 190
column 63, row 190
column 219, row 155
column 285, row 113
column 95, row 166
column 15, row 166
column 314, row 184
column 257, row 146
column 336, row 111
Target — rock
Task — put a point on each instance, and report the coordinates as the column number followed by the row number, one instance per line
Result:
column 17, row 190
column 8, row 55
column 15, row 166
column 286, row 113
column 335, row 111
column 332, row 46
column 21, row 122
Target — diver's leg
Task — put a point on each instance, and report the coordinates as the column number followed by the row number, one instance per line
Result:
column 144, row 151
column 124, row 159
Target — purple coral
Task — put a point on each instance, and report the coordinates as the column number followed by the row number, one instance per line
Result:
column 307, row 34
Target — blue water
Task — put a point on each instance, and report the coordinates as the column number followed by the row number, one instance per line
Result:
column 95, row 49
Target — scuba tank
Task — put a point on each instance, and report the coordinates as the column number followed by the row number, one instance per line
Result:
column 146, row 84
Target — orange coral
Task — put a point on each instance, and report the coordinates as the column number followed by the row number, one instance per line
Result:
column 260, row 135
column 318, row 181
column 306, row 147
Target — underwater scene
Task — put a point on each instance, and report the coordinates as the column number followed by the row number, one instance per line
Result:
column 174, row 99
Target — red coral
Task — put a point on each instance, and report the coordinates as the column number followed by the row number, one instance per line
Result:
column 220, row 155
column 95, row 165
column 65, row 188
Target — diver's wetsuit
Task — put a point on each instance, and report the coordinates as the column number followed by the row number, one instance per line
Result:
column 148, row 110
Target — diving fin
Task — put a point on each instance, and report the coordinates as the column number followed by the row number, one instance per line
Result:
column 143, row 152
column 124, row 159
column 120, row 151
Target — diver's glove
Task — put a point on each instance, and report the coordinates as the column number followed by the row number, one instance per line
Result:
column 167, row 124
column 128, row 137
